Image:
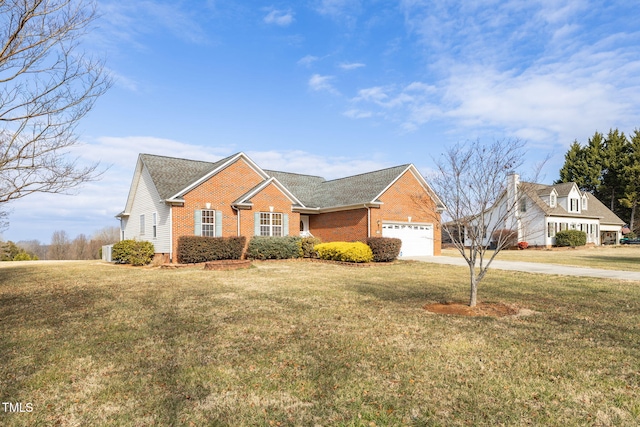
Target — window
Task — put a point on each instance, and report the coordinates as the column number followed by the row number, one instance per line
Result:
column 142, row 225
column 270, row 224
column 551, row 229
column 155, row 225
column 552, row 200
column 208, row 223
column 584, row 203
column 523, row 205
column 573, row 205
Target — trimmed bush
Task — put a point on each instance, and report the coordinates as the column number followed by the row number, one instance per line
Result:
column 571, row 238
column 345, row 251
column 384, row 249
column 195, row 249
column 307, row 245
column 134, row 252
column 264, row 247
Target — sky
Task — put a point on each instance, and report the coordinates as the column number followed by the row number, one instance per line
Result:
column 340, row 87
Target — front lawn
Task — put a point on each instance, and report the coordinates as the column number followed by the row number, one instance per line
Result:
column 296, row 343
column 625, row 258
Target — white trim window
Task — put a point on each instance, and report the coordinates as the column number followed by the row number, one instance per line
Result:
column 142, row 225
column 271, row 224
column 155, row 225
column 552, row 200
column 574, row 205
column 208, row 223
column 584, row 203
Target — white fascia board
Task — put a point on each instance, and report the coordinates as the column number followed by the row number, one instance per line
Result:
column 225, row 165
column 265, row 184
column 337, row 208
column 134, row 185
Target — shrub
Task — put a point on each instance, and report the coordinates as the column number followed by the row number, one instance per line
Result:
column 523, row 245
column 134, row 252
column 307, row 245
column 23, row 256
column 194, row 249
column 264, row 247
column 384, row 249
column 571, row 238
column 345, row 251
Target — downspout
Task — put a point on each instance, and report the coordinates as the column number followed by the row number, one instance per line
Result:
column 171, row 233
column 238, row 226
column 368, row 222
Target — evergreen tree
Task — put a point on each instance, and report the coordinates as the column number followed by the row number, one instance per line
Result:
column 583, row 164
column 614, row 157
column 608, row 168
column 631, row 173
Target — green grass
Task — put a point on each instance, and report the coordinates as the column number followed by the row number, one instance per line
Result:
column 623, row 257
column 295, row 343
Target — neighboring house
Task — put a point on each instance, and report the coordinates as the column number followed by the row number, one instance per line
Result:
column 171, row 197
column 539, row 211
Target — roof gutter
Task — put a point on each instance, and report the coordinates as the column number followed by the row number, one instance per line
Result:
column 337, row 208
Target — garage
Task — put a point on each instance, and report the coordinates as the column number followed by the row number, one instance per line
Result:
column 417, row 239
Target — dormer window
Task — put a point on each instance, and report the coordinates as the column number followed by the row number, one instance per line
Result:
column 553, row 200
column 574, row 205
column 584, row 202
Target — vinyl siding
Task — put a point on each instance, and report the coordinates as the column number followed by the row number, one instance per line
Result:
column 147, row 202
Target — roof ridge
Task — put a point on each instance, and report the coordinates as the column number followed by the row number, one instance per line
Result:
column 371, row 172
column 189, row 160
column 294, row 173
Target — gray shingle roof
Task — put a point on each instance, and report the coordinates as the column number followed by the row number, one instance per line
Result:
column 316, row 192
column 595, row 208
column 171, row 175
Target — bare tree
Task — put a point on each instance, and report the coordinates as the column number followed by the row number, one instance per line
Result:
column 46, row 86
column 107, row 235
column 80, row 247
column 482, row 203
column 60, row 247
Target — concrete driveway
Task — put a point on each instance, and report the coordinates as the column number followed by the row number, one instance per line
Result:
column 538, row 268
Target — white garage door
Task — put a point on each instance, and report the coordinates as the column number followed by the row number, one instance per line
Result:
column 417, row 239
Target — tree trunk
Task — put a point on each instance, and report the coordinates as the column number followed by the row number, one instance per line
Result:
column 473, row 297
column 633, row 213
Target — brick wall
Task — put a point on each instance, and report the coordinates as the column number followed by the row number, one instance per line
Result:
column 221, row 191
column 407, row 198
column 347, row 226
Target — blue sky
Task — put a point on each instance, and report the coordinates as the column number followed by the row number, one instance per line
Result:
column 337, row 87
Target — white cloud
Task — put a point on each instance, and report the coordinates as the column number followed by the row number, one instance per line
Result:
column 299, row 161
column 338, row 9
column 319, row 83
column 279, row 17
column 355, row 113
column 307, row 60
column 351, row 66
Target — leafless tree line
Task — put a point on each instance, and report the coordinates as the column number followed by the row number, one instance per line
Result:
column 82, row 247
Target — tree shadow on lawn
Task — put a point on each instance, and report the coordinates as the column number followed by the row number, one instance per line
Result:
column 37, row 327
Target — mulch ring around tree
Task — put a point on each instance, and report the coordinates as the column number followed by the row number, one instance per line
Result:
column 482, row 309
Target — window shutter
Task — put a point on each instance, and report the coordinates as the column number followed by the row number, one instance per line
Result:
column 218, row 223
column 198, row 222
column 285, row 225
column 256, row 224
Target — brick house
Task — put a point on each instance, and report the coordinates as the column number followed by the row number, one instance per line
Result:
column 171, row 197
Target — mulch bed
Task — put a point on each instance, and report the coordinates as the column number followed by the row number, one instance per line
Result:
column 481, row 309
